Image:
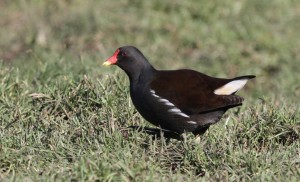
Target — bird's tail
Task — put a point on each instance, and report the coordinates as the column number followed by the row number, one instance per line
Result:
column 233, row 86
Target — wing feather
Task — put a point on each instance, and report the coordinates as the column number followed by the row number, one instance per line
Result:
column 196, row 95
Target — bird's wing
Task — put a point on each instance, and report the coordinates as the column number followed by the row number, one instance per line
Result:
column 193, row 92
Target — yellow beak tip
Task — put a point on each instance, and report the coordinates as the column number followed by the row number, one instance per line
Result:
column 106, row 63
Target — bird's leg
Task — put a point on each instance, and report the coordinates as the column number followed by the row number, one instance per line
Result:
column 158, row 132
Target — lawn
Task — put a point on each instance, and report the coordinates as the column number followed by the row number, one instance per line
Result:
column 64, row 117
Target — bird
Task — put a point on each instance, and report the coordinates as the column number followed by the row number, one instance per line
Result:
column 177, row 101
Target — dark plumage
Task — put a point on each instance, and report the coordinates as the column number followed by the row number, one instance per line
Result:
column 177, row 100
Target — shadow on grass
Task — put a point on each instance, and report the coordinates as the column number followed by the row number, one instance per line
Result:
column 158, row 132
column 175, row 156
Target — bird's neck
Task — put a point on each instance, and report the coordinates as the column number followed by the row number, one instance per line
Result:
column 143, row 74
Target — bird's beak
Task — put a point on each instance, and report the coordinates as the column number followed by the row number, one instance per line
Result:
column 112, row 60
column 106, row 63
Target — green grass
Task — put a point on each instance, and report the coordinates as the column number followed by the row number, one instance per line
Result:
column 64, row 117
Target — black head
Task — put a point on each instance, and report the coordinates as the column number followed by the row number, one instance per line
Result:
column 131, row 60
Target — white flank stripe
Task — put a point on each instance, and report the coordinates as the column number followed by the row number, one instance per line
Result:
column 166, row 102
column 182, row 114
column 178, row 112
column 231, row 87
column 191, row 122
column 169, row 104
column 153, row 93
column 174, row 110
column 163, row 100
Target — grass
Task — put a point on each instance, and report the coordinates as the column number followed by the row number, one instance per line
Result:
column 64, row 117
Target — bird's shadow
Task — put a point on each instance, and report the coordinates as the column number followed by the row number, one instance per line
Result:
column 173, row 154
column 158, row 132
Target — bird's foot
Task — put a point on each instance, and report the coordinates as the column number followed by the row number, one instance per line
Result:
column 158, row 132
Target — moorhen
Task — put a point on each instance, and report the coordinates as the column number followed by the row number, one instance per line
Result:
column 177, row 100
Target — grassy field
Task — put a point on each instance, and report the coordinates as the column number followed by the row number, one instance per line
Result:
column 64, row 117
